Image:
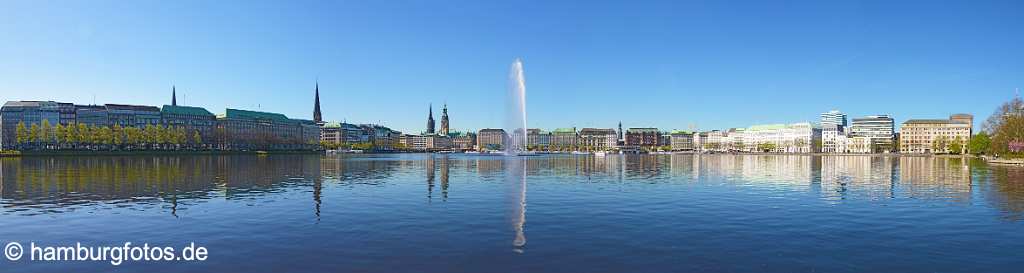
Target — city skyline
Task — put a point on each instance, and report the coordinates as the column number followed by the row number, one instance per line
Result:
column 681, row 64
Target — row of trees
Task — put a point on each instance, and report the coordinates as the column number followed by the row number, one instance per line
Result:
column 364, row 146
column 43, row 136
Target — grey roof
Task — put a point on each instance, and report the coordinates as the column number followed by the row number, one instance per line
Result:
column 126, row 107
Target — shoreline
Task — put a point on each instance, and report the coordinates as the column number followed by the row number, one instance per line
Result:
column 140, row 153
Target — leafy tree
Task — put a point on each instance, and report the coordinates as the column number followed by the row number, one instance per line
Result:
column 1011, row 129
column 82, row 134
column 150, row 135
column 33, row 133
column 939, row 144
column 980, row 143
column 196, row 138
column 45, row 130
column 766, row 147
column 117, row 135
column 21, row 133
column 59, row 134
column 956, row 146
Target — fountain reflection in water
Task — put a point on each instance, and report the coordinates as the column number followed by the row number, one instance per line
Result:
column 515, row 175
column 515, row 119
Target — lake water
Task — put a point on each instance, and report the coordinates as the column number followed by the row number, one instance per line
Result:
column 559, row 213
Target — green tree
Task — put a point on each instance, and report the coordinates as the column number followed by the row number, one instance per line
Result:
column 45, row 135
column 59, row 134
column 81, row 136
column 150, row 135
column 105, row 136
column 196, row 138
column 21, row 134
column 95, row 135
column 1011, row 129
column 939, row 144
column 956, row 146
column 979, row 144
column 766, row 147
column 117, row 135
column 132, row 137
column 33, row 133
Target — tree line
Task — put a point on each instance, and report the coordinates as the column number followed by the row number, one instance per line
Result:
column 1000, row 131
column 44, row 136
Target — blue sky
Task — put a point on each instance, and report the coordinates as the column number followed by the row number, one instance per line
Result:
column 667, row 64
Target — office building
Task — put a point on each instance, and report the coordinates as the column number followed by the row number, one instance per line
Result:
column 491, row 139
column 597, row 139
column 922, row 136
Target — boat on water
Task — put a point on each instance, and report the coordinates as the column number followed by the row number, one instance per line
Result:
column 600, row 154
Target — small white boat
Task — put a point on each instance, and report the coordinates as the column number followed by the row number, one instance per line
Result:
column 600, row 154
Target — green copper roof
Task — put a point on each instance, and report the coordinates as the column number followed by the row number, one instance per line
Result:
column 185, row 110
column 244, row 114
column 678, row 132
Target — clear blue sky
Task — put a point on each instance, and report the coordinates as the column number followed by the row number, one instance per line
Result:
column 667, row 64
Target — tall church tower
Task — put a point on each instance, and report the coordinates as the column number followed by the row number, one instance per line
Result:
column 317, row 117
column 430, row 121
column 444, row 120
column 174, row 96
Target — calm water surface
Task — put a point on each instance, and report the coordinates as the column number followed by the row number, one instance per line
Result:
column 459, row 213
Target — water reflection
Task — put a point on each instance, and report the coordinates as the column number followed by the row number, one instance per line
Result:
column 37, row 185
column 515, row 179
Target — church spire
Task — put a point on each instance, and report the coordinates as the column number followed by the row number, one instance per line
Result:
column 317, row 117
column 174, row 96
column 430, row 120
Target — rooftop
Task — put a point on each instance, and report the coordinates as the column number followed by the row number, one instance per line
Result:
column 185, row 110
column 127, row 107
column 931, row 121
column 246, row 114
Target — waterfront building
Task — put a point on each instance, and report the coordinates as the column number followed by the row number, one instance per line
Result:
column 833, row 138
column 253, row 130
column 935, row 135
column 682, row 141
column 463, row 141
column 383, row 138
column 597, row 139
column 192, row 119
column 132, row 115
column 783, row 138
column 734, row 138
column 342, row 133
column 430, row 121
column 712, row 141
column 538, row 139
column 28, row 113
column 641, row 139
column 664, row 139
column 880, row 129
column 444, row 120
column 833, row 117
column 490, row 139
column 91, row 115
column 564, row 139
column 426, row 143
column 699, row 138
